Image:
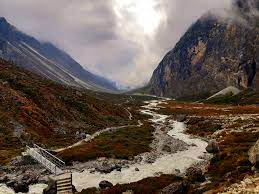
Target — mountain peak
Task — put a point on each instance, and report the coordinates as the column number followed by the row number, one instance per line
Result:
column 3, row 22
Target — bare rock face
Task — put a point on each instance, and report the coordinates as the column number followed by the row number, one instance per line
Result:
column 213, row 54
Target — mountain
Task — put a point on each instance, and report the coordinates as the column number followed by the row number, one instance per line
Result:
column 34, row 109
column 213, row 54
column 47, row 60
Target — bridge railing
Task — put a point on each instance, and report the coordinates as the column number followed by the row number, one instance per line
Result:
column 43, row 157
column 58, row 162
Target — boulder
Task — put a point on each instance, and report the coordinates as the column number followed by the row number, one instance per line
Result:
column 51, row 189
column 166, row 148
column 29, row 178
column 212, row 147
column 21, row 187
column 105, row 184
column 136, row 169
column 175, row 188
column 194, row 175
column 181, row 117
column 253, row 154
column 4, row 179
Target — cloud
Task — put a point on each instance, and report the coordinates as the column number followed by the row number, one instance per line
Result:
column 115, row 45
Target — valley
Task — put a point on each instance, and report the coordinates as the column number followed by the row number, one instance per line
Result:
column 191, row 127
column 168, row 138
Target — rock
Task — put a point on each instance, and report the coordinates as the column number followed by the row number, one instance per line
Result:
column 181, row 118
column 51, row 189
column 176, row 188
column 17, row 161
column 195, row 175
column 136, row 169
column 10, row 183
column 29, row 178
column 212, row 147
column 4, row 179
column 21, row 187
column 253, row 154
column 177, row 171
column 105, row 184
column 128, row 192
column 187, row 70
column 131, row 158
column 166, row 148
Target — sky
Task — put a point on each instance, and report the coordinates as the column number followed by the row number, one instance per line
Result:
column 122, row 40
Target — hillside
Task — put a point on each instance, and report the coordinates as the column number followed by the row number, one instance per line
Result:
column 47, row 60
column 213, row 54
column 33, row 109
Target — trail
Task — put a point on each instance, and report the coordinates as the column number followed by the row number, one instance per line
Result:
column 96, row 134
column 184, row 152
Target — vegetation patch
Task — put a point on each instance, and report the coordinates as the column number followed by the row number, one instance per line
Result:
column 122, row 144
column 145, row 186
column 231, row 164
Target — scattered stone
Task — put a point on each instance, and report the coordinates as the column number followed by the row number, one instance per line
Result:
column 195, row 175
column 213, row 147
column 105, row 184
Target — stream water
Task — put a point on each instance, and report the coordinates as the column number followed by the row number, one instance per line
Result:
column 165, row 163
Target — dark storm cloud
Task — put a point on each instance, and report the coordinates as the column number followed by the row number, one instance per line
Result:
column 89, row 30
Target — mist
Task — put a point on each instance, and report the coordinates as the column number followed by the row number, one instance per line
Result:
column 106, row 42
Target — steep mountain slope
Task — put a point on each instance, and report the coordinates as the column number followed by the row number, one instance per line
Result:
column 213, row 54
column 34, row 109
column 46, row 60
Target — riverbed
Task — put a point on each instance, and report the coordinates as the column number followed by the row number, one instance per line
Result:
column 187, row 152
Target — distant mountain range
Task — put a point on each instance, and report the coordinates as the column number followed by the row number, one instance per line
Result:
column 47, row 60
column 213, row 54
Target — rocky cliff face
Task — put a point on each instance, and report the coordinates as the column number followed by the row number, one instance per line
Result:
column 47, row 60
column 213, row 54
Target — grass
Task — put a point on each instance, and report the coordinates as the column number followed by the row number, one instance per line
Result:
column 122, row 144
column 146, row 186
column 231, row 164
column 244, row 98
column 42, row 106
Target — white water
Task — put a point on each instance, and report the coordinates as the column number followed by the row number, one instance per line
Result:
column 34, row 189
column 166, row 164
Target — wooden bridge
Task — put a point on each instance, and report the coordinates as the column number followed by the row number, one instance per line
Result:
column 54, row 165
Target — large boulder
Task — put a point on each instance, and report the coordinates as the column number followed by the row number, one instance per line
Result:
column 105, row 184
column 253, row 154
column 51, row 189
column 212, row 147
column 4, row 179
column 21, row 184
column 175, row 188
column 21, row 187
column 194, row 175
